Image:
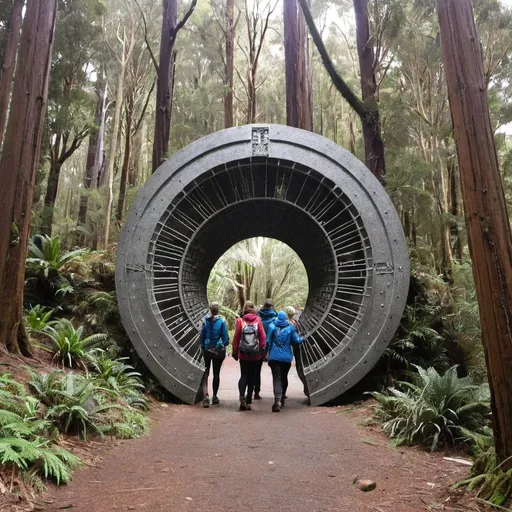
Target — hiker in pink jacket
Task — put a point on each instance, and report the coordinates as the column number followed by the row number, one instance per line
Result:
column 249, row 344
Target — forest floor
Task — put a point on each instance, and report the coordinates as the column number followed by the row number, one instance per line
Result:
column 303, row 459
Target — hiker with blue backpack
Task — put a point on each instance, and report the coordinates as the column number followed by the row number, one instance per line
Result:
column 249, row 343
column 281, row 335
column 267, row 314
column 214, row 340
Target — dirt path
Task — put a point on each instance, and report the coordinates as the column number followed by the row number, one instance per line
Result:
column 302, row 459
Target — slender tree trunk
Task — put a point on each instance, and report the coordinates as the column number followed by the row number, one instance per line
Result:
column 94, row 153
column 298, row 107
column 18, row 164
column 50, row 197
column 8, row 64
column 135, row 167
column 489, row 234
column 113, row 145
column 373, row 144
column 121, row 203
column 454, row 209
column 230, row 54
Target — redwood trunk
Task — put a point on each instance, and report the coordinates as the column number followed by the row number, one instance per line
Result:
column 8, row 64
column 230, row 53
column 489, row 235
column 373, row 144
column 298, row 107
column 18, row 164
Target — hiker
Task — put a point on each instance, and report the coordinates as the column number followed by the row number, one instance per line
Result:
column 281, row 335
column 249, row 344
column 291, row 312
column 214, row 340
column 267, row 314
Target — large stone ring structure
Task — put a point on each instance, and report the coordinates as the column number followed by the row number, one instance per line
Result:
column 277, row 182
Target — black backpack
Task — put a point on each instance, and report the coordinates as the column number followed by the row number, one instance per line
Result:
column 249, row 340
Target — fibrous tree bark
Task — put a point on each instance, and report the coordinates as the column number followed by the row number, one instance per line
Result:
column 489, row 234
column 165, row 78
column 8, row 64
column 367, row 111
column 298, row 97
column 18, row 164
column 373, row 144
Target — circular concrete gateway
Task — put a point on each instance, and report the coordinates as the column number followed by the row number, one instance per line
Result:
column 277, row 182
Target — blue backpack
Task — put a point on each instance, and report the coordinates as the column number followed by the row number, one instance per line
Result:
column 210, row 342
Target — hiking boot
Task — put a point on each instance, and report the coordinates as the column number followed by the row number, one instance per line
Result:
column 206, row 402
column 215, row 400
column 248, row 407
column 276, row 407
column 257, row 396
column 282, row 402
column 243, row 404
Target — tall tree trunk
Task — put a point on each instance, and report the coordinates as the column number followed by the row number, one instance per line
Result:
column 373, row 144
column 18, row 164
column 135, row 168
column 113, row 145
column 9, row 60
column 230, row 54
column 94, row 153
column 298, row 107
column 165, row 78
column 489, row 234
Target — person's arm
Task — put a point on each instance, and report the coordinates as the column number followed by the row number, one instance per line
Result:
column 202, row 336
column 269, row 338
column 236, row 338
column 295, row 337
column 224, row 334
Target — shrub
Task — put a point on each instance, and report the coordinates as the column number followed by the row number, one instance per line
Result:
column 434, row 410
column 68, row 345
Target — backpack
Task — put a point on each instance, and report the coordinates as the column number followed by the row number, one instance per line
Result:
column 249, row 341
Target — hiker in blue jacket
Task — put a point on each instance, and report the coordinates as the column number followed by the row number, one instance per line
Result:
column 214, row 340
column 281, row 335
column 268, row 315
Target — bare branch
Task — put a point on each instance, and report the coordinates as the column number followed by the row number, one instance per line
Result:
column 153, row 59
column 185, row 18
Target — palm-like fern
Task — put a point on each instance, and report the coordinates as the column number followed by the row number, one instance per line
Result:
column 433, row 410
column 68, row 345
column 119, row 377
column 37, row 318
column 46, row 253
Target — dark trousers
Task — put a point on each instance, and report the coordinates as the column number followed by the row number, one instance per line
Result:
column 216, row 361
column 248, row 371
column 300, row 367
column 257, row 377
column 279, row 377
